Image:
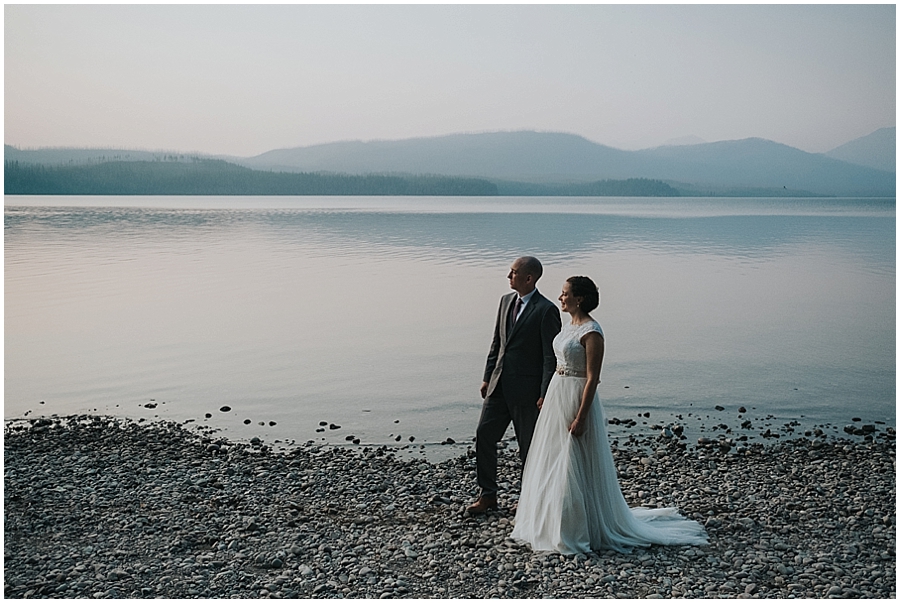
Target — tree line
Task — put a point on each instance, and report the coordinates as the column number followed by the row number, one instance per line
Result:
column 631, row 187
column 217, row 177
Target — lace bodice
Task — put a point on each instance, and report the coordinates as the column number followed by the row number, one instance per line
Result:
column 571, row 358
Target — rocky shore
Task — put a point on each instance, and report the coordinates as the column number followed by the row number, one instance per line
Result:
column 107, row 508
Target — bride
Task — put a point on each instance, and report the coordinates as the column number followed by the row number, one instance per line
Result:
column 571, row 501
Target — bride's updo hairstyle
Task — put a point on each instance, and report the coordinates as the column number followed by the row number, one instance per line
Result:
column 582, row 286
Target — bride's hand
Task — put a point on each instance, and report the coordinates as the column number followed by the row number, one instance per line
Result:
column 578, row 427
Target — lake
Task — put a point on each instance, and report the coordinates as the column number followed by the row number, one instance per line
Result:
column 376, row 313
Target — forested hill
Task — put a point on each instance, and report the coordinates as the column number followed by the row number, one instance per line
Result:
column 217, row 177
column 630, row 187
column 730, row 166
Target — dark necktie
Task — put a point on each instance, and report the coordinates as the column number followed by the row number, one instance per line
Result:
column 515, row 312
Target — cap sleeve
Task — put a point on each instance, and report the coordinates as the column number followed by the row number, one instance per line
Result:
column 590, row 327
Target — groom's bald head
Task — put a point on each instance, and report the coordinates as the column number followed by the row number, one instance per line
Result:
column 524, row 274
column 530, row 265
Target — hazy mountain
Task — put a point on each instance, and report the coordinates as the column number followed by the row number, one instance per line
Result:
column 755, row 162
column 528, row 156
column 877, row 150
column 749, row 164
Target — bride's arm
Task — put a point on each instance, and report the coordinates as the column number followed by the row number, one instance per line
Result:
column 594, row 347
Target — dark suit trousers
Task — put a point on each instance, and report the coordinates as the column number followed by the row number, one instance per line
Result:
column 496, row 413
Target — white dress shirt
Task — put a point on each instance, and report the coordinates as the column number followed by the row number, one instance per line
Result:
column 525, row 301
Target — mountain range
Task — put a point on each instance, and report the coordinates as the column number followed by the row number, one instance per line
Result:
column 877, row 150
column 512, row 160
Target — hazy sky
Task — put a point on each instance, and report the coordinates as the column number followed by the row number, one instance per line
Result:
column 246, row 79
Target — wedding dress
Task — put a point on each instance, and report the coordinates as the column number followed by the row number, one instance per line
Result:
column 571, row 501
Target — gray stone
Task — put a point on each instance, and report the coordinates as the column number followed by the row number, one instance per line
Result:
column 182, row 520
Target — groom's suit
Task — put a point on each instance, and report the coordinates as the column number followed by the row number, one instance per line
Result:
column 518, row 371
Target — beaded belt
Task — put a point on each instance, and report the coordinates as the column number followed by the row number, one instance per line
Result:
column 568, row 372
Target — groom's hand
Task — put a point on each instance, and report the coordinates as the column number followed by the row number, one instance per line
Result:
column 540, row 403
column 484, row 386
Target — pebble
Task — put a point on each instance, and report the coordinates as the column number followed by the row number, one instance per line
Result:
column 97, row 507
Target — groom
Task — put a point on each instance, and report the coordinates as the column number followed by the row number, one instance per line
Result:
column 517, row 373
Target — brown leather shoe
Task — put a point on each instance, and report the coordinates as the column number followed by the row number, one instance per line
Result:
column 482, row 505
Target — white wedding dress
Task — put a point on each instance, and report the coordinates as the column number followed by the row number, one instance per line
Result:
column 571, row 501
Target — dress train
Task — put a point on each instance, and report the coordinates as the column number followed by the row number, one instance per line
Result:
column 571, row 501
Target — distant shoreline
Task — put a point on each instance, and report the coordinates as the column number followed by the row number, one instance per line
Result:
column 525, row 163
column 217, row 177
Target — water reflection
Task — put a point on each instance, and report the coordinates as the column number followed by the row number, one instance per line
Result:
column 479, row 238
column 364, row 317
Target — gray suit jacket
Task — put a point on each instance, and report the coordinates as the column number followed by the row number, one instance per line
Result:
column 522, row 360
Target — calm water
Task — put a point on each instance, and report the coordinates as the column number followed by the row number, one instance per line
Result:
column 368, row 311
